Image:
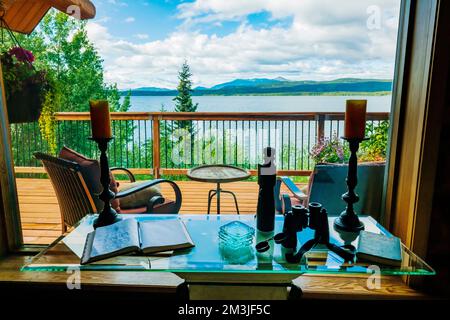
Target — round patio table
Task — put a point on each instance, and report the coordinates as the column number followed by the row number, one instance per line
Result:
column 218, row 174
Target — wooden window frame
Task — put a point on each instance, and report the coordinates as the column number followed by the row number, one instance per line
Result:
column 420, row 66
column 418, row 118
column 10, row 225
column 418, row 105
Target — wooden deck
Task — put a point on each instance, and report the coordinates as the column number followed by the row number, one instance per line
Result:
column 41, row 222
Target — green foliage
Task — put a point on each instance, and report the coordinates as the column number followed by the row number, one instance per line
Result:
column 19, row 71
column 113, row 97
column 73, row 61
column 291, row 157
column 47, row 121
column 330, row 151
column 62, row 48
column 183, row 101
column 375, row 148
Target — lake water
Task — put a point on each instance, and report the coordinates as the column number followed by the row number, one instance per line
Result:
column 263, row 103
column 252, row 137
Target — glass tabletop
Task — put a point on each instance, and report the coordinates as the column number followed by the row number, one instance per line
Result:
column 209, row 257
column 218, row 173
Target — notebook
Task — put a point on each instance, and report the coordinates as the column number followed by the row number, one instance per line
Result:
column 131, row 236
column 379, row 248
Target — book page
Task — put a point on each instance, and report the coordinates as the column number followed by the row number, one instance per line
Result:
column 163, row 235
column 110, row 240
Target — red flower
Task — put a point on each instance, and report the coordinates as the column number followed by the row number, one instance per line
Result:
column 21, row 54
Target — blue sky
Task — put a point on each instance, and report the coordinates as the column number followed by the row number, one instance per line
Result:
column 155, row 20
column 144, row 42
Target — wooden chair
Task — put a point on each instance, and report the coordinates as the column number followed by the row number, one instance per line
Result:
column 327, row 184
column 76, row 200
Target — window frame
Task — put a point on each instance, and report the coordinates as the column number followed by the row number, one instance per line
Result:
column 12, row 228
column 421, row 99
column 412, row 12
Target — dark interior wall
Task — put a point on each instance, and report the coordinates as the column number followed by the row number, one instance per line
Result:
column 438, row 255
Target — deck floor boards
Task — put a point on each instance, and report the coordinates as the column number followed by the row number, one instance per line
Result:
column 40, row 215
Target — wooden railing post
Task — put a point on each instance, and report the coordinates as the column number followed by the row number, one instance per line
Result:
column 320, row 121
column 156, row 147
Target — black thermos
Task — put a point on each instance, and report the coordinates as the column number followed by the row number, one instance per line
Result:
column 267, row 178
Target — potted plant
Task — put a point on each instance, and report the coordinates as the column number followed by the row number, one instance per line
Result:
column 330, row 150
column 25, row 87
column 335, row 150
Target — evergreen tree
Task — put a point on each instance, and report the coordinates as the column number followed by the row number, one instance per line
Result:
column 183, row 103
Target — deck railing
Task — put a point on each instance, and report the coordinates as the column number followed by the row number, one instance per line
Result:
column 169, row 143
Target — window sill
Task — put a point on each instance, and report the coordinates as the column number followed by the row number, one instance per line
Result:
column 313, row 286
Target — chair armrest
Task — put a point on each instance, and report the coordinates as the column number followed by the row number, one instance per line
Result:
column 142, row 186
column 154, row 201
column 127, row 172
column 293, row 188
column 287, row 205
column 151, row 183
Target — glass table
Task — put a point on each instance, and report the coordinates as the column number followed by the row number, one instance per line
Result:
column 207, row 264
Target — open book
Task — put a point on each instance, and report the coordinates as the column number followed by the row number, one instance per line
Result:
column 129, row 235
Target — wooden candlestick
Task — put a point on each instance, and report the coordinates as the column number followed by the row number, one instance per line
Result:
column 108, row 215
column 100, row 119
column 355, row 119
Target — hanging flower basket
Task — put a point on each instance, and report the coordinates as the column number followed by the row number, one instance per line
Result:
column 25, row 86
column 25, row 105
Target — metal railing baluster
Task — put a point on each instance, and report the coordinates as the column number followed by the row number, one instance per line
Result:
column 241, row 150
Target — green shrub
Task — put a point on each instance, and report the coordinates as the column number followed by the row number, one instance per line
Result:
column 375, row 148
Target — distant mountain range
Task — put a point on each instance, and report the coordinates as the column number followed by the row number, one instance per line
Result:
column 280, row 86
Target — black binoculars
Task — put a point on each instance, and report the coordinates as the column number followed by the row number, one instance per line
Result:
column 315, row 217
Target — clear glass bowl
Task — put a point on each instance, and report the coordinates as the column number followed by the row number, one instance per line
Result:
column 236, row 230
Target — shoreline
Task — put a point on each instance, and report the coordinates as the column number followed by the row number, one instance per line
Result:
column 326, row 103
column 293, row 94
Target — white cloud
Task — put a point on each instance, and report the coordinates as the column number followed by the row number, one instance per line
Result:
column 130, row 19
column 325, row 41
column 141, row 36
column 103, row 19
column 118, row 3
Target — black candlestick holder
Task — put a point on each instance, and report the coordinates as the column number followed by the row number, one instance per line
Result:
column 348, row 220
column 108, row 215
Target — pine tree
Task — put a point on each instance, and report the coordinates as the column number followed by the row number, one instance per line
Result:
column 183, row 102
